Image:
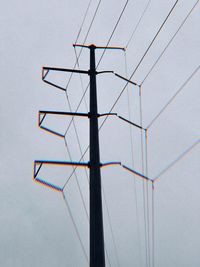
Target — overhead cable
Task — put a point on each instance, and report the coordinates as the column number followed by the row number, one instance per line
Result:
column 150, row 45
column 75, row 228
column 147, row 198
column 84, row 18
column 138, row 23
column 189, row 149
column 111, row 228
column 82, row 98
column 86, row 36
column 144, row 186
column 114, row 29
column 173, row 97
column 77, row 182
column 168, row 44
column 133, row 165
column 117, row 99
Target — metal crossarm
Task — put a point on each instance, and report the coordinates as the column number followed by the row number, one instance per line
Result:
column 107, row 114
column 130, row 122
column 52, row 186
column 104, row 71
column 45, row 128
column 105, row 164
column 122, row 118
column 43, row 113
column 66, row 70
column 67, row 163
column 63, row 113
column 99, row 47
column 125, row 79
column 50, row 162
column 55, row 85
column 137, row 173
column 51, row 131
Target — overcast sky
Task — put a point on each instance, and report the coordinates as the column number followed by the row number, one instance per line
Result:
column 36, row 227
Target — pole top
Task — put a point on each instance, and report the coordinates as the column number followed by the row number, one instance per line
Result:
column 93, row 46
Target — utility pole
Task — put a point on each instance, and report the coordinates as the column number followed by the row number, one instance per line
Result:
column 97, row 256
column 97, row 251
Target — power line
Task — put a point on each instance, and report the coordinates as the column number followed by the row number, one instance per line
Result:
column 147, row 197
column 78, row 35
column 150, row 241
column 82, row 154
column 84, row 18
column 109, row 218
column 144, row 184
column 66, row 203
column 82, row 98
column 138, row 23
column 77, row 58
column 101, row 55
column 92, row 21
column 133, row 163
column 83, row 92
column 77, row 182
column 107, row 257
column 75, row 228
column 152, row 231
column 76, row 133
column 150, row 45
column 141, row 60
column 74, row 171
column 189, row 149
column 80, row 29
column 179, row 28
column 173, row 97
column 107, row 210
column 77, row 62
column 111, row 228
column 114, row 29
column 97, row 253
column 86, row 36
column 83, row 202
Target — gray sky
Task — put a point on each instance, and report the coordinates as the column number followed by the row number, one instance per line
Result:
column 36, row 228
